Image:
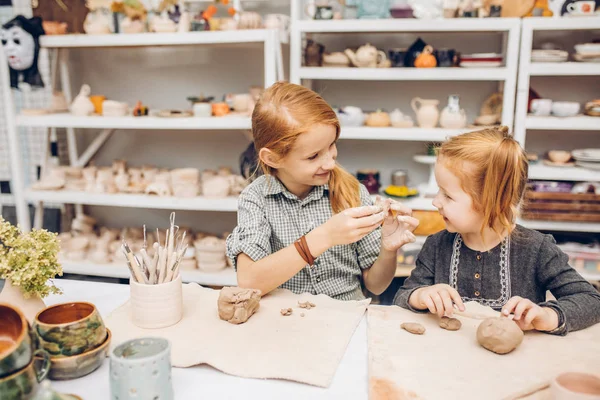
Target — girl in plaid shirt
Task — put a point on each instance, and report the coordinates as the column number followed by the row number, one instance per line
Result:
column 307, row 225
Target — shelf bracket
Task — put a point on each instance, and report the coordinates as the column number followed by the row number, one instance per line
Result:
column 93, row 148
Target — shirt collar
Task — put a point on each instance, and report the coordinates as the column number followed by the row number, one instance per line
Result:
column 273, row 186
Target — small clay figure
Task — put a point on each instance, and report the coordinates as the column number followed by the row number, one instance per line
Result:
column 236, row 305
column 307, row 305
column 286, row 311
column 499, row 335
column 450, row 324
column 413, row 327
column 302, row 314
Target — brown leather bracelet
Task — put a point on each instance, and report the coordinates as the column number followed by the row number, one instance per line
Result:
column 301, row 251
column 311, row 259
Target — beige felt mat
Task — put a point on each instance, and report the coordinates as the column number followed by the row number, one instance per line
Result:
column 304, row 349
column 442, row 364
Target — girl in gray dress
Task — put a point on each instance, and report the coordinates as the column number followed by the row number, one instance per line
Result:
column 483, row 255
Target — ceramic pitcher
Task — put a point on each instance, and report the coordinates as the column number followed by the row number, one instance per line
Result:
column 453, row 117
column 427, row 112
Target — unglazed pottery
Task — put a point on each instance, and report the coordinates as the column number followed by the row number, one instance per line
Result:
column 156, row 306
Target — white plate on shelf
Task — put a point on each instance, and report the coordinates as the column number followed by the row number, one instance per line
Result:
column 480, row 64
column 588, row 165
column 549, row 56
column 423, row 159
column 587, row 48
column 580, row 58
column 589, row 155
column 483, row 55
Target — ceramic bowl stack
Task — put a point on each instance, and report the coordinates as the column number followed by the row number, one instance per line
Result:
column 587, row 158
column 75, row 337
column 587, row 52
column 549, row 56
column 481, row 60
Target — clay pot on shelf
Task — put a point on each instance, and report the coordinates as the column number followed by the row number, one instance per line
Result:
column 427, row 112
column 378, row 119
column 426, row 59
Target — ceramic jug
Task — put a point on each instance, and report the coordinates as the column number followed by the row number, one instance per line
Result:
column 453, row 117
column 427, row 112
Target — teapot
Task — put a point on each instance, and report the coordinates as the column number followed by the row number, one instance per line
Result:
column 367, row 56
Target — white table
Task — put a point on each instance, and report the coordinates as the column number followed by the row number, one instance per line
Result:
column 350, row 381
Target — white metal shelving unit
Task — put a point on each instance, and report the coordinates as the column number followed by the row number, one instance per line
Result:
column 265, row 39
column 506, row 76
column 525, row 123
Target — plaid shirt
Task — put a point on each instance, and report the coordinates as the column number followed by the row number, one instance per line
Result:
column 271, row 218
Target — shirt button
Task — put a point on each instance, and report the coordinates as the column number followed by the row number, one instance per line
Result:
column 477, row 276
column 478, row 257
column 318, row 279
column 477, row 293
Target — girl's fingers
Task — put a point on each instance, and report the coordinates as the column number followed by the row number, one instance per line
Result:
column 456, row 299
column 364, row 222
column 510, row 305
column 364, row 211
column 439, row 304
column 430, row 304
column 530, row 315
column 523, row 306
column 400, row 208
column 410, row 221
column 447, row 303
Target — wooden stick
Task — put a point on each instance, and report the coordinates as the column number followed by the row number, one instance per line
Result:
column 162, row 265
column 154, row 264
column 138, row 275
column 529, row 391
column 171, row 267
column 147, row 263
column 171, row 247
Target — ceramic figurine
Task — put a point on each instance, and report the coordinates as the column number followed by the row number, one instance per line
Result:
column 453, row 117
column 140, row 110
column 426, row 59
column 427, row 9
column 82, row 105
column 541, row 8
column 399, row 120
column 98, row 22
column 105, row 182
column 185, row 22
column 129, row 25
column 427, row 112
column 89, row 175
column 54, row 27
column 351, row 116
column 367, row 56
column 216, row 186
column 280, row 22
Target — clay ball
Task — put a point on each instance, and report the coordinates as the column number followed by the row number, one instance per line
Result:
column 499, row 335
column 450, row 324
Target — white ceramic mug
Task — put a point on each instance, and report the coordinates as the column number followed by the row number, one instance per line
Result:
column 575, row 386
column 541, row 107
column 156, row 306
column 587, row 7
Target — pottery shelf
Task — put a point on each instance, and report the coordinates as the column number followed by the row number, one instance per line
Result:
column 404, row 74
column 407, row 134
column 559, row 226
column 564, row 69
column 228, row 204
column 545, row 172
column 407, row 25
column 131, row 122
column 225, row 277
column 579, row 123
column 561, row 24
column 156, row 39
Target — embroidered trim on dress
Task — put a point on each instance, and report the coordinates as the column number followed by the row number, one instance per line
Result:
column 504, row 273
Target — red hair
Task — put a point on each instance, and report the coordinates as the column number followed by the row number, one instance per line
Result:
column 284, row 112
column 499, row 175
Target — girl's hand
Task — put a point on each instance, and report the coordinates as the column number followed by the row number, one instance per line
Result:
column 352, row 224
column 398, row 225
column 438, row 299
column 529, row 315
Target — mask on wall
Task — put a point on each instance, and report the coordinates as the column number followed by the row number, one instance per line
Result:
column 21, row 42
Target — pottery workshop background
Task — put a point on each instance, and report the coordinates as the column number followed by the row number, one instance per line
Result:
column 163, row 77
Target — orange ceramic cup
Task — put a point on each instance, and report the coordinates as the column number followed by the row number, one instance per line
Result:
column 220, row 109
column 97, row 102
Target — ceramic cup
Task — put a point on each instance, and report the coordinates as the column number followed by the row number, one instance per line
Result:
column 17, row 343
column 565, row 108
column 575, row 386
column 541, row 107
column 24, row 383
column 156, row 306
column 203, row 110
column 97, row 102
column 446, row 57
column 141, row 369
column 582, row 8
column 319, row 12
column 63, row 368
column 69, row 329
column 397, row 57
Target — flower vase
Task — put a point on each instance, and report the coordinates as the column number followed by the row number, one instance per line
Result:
column 13, row 295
